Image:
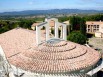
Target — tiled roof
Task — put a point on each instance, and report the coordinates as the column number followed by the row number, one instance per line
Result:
column 67, row 22
column 52, row 24
column 35, row 24
column 87, row 22
column 94, row 22
column 49, row 57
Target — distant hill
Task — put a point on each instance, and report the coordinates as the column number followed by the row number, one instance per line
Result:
column 52, row 11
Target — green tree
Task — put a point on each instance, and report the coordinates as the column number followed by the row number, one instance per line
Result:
column 77, row 37
column 83, row 26
column 75, row 23
column 3, row 26
column 96, row 17
column 62, row 19
column 78, row 24
column 26, row 24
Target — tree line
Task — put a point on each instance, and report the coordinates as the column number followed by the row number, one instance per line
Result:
column 6, row 25
column 77, row 25
column 93, row 17
column 77, row 30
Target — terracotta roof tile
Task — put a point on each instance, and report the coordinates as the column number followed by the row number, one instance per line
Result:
column 64, row 56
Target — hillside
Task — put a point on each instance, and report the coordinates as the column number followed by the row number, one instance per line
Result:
column 52, row 11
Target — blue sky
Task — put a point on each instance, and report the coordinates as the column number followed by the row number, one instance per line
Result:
column 19, row 5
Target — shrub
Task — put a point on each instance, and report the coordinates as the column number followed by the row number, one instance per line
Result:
column 77, row 37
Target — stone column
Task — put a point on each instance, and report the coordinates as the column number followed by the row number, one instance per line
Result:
column 64, row 32
column 38, row 34
column 56, row 30
column 2, row 53
column 47, row 32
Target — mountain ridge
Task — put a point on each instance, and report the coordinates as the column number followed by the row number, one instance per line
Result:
column 51, row 11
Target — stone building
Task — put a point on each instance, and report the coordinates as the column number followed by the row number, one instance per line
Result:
column 95, row 27
column 55, row 57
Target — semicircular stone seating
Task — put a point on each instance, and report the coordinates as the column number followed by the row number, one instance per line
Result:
column 60, row 57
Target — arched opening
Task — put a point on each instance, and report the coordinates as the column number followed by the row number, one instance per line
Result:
column 60, row 31
column 43, row 33
column 52, row 23
column 51, row 28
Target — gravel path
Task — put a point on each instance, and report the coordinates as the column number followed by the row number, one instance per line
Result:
column 97, row 43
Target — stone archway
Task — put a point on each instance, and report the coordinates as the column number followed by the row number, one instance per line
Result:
column 60, row 31
column 51, row 28
column 63, row 31
column 56, row 25
column 43, row 33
